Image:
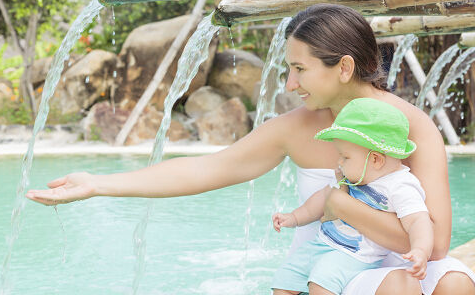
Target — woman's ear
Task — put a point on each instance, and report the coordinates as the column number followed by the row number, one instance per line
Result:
column 378, row 160
column 347, row 67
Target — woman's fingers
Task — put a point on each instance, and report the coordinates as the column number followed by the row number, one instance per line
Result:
column 57, row 182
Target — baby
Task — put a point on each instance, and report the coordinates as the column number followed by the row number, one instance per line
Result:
column 371, row 137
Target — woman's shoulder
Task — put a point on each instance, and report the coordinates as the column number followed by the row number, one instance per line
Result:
column 302, row 117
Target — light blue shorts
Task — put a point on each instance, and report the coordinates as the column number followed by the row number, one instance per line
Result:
column 321, row 264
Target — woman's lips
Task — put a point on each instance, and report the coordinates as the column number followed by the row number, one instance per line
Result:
column 303, row 96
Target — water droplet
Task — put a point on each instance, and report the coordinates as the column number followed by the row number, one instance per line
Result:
column 113, row 33
column 462, row 100
column 440, row 127
column 427, row 103
column 114, row 74
column 235, row 71
column 90, row 31
column 462, row 130
column 416, row 93
column 87, row 79
column 462, row 116
column 452, row 108
column 113, row 41
column 64, row 79
column 70, row 63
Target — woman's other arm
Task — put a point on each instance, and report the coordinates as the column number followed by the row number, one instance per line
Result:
column 248, row 158
column 429, row 164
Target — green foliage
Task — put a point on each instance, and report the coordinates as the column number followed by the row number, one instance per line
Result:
column 10, row 68
column 15, row 112
column 95, row 134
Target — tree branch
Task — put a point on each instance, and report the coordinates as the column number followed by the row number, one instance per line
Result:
column 11, row 29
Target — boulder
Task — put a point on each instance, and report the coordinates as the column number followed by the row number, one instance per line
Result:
column 141, row 55
column 225, row 125
column 41, row 67
column 86, row 82
column 103, row 124
column 6, row 89
column 202, row 101
column 239, row 81
column 284, row 102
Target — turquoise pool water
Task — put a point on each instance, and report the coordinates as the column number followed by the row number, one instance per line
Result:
column 194, row 244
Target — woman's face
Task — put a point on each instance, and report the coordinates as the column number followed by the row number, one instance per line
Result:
column 317, row 84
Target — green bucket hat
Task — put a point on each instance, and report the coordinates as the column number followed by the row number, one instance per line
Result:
column 374, row 125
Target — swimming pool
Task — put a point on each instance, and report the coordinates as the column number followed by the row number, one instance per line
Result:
column 194, row 244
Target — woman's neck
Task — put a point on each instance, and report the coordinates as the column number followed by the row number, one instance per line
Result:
column 352, row 91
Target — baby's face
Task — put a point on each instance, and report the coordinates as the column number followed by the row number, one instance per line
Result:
column 352, row 159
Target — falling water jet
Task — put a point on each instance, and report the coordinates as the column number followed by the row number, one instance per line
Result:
column 403, row 45
column 52, row 79
column 456, row 71
column 434, row 73
column 271, row 80
column 195, row 53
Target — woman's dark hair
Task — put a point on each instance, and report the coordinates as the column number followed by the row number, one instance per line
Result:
column 333, row 31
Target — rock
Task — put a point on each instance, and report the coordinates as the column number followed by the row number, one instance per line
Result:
column 41, row 67
column 6, row 89
column 202, row 101
column 287, row 101
column 102, row 124
column 141, row 55
column 87, row 81
column 148, row 124
column 225, row 125
column 284, row 102
column 248, row 73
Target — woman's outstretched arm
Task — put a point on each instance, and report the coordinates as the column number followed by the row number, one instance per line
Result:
column 429, row 165
column 248, row 158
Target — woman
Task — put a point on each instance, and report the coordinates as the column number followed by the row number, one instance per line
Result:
column 333, row 58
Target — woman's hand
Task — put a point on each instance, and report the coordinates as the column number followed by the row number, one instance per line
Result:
column 284, row 220
column 328, row 214
column 72, row 187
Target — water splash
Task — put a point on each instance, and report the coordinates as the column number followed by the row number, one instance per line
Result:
column 402, row 47
column 271, row 80
column 234, row 50
column 286, row 180
column 52, row 79
column 434, row 73
column 195, row 53
column 456, row 71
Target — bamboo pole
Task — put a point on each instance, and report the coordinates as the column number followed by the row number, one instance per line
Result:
column 229, row 12
column 160, row 73
column 467, row 40
column 385, row 26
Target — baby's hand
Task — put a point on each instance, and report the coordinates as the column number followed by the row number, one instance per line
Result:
column 419, row 258
column 283, row 220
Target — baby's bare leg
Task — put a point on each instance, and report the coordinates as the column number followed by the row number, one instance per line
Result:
column 285, row 292
column 317, row 290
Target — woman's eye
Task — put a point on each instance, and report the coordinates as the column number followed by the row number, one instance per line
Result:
column 299, row 69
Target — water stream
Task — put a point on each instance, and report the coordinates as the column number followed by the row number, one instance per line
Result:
column 456, row 71
column 271, row 86
column 402, row 47
column 435, row 72
column 195, row 53
column 52, row 79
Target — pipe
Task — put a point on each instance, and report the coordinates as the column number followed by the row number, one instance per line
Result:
column 119, row 2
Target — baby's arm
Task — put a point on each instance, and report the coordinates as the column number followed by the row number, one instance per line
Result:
column 309, row 212
column 421, row 235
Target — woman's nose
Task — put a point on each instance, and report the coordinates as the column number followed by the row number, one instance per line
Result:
column 292, row 82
